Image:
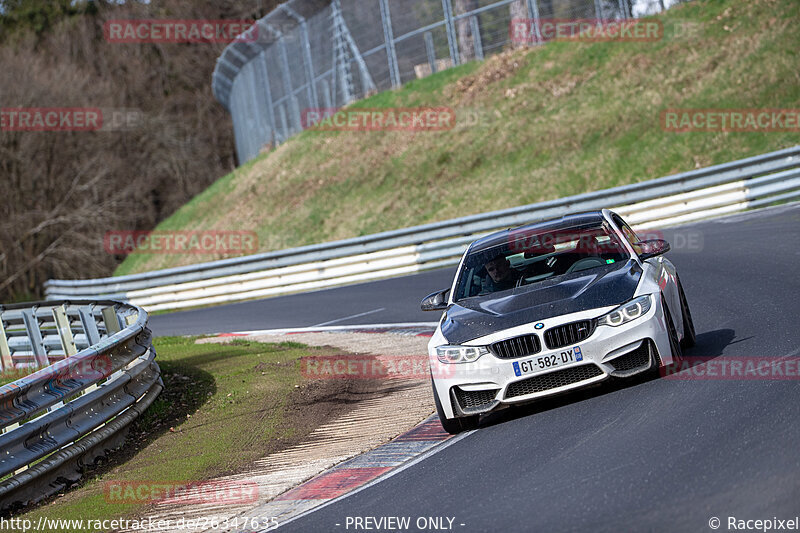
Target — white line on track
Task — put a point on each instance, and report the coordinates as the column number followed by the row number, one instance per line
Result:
column 378, row 310
column 384, row 477
column 279, row 331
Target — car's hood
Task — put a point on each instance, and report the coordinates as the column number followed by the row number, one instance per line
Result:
column 599, row 287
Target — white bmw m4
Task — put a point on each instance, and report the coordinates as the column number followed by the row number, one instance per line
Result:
column 550, row 307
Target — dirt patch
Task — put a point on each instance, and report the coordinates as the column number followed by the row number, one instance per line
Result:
column 494, row 69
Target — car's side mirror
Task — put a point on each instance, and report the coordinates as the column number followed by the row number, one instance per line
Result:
column 652, row 248
column 436, row 301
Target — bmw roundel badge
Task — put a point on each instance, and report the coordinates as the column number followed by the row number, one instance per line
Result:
column 539, row 325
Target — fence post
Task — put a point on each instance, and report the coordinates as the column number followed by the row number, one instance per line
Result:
column 307, row 64
column 622, row 11
column 286, row 74
column 598, row 11
column 341, row 63
column 451, row 31
column 533, row 14
column 261, row 70
column 431, row 51
column 326, row 95
column 284, row 125
column 257, row 108
column 388, row 37
column 476, row 36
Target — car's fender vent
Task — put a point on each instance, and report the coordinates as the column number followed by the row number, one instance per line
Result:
column 553, row 380
column 516, row 347
column 567, row 334
column 469, row 400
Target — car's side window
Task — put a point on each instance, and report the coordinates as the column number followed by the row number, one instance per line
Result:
column 630, row 235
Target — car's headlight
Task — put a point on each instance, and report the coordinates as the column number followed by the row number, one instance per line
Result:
column 459, row 354
column 627, row 311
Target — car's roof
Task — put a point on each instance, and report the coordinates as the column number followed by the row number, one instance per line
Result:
column 589, row 218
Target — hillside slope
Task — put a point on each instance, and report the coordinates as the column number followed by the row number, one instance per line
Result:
column 533, row 125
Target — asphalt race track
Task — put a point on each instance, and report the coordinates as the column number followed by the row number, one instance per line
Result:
column 658, row 454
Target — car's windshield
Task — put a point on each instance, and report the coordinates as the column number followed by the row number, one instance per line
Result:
column 528, row 255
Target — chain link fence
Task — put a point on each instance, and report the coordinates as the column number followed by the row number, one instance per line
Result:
column 312, row 54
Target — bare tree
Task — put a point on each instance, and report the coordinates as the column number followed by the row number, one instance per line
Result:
column 63, row 190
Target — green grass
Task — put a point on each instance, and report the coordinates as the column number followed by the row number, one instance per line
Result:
column 533, row 125
column 222, row 408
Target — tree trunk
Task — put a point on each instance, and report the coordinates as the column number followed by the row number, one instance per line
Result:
column 519, row 12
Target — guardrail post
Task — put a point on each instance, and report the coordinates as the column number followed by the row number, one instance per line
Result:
column 430, row 51
column 43, row 435
column 64, row 330
column 35, row 337
column 388, row 38
column 5, row 352
column 111, row 321
column 451, row 31
column 89, row 325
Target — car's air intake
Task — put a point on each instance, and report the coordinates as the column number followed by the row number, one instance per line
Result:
column 516, row 347
column 553, row 380
column 567, row 334
column 470, row 400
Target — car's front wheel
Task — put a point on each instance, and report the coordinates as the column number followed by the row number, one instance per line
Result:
column 457, row 424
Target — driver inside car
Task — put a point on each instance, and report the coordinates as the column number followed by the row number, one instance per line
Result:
column 501, row 276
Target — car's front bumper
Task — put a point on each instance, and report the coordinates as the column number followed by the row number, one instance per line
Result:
column 491, row 383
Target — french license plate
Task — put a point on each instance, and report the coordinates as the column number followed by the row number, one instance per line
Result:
column 546, row 362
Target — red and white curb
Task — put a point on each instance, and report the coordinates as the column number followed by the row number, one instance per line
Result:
column 356, row 474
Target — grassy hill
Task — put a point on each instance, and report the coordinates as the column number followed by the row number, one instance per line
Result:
column 533, row 125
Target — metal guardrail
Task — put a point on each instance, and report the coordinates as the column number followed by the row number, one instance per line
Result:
column 94, row 374
column 703, row 193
